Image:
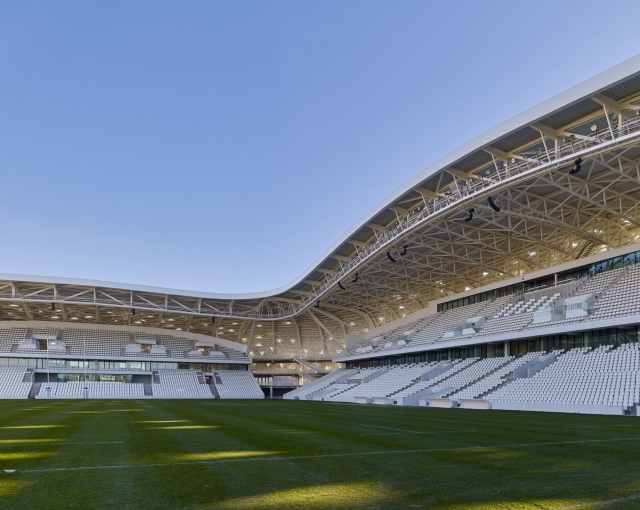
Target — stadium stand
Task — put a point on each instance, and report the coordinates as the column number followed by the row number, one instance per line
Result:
column 110, row 343
column 499, row 276
column 386, row 383
column 603, row 380
column 613, row 296
column 236, row 384
column 600, row 376
column 180, row 384
column 12, row 382
column 75, row 389
column 309, row 389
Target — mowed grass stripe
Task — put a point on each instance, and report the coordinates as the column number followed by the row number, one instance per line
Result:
column 279, row 454
column 331, row 455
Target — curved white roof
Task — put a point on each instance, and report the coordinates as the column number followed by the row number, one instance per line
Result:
column 601, row 82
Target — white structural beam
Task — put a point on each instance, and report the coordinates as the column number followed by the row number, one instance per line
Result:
column 326, row 330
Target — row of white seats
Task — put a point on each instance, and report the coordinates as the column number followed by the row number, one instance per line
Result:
column 615, row 290
column 581, row 376
column 11, row 385
column 237, row 384
column 75, row 389
column 180, row 384
column 394, row 380
column 492, row 381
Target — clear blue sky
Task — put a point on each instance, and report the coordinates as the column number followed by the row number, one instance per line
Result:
column 224, row 146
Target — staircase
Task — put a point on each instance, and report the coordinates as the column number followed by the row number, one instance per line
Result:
column 148, row 390
column 35, row 389
column 478, row 379
column 214, row 391
column 306, row 364
column 155, row 376
column 414, row 381
column 507, row 379
column 586, row 250
column 28, row 375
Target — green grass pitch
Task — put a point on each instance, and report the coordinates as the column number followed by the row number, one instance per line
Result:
column 280, row 454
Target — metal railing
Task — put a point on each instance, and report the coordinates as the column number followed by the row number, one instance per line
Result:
column 495, row 176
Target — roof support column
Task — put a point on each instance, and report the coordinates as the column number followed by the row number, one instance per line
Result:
column 253, row 327
column 317, row 321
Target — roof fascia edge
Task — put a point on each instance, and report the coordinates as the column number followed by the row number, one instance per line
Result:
column 594, row 85
column 598, row 83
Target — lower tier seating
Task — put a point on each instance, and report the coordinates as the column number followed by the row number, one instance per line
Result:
column 180, row 384
column 236, row 384
column 11, row 382
column 165, row 384
column 602, row 378
column 73, row 389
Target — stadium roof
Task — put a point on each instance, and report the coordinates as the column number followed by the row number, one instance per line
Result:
column 416, row 245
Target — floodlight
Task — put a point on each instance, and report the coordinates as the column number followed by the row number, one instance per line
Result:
column 578, row 163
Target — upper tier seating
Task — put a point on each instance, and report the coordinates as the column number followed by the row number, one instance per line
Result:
column 516, row 315
column 615, row 294
column 622, row 298
column 97, row 342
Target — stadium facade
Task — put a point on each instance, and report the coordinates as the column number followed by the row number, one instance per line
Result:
column 503, row 275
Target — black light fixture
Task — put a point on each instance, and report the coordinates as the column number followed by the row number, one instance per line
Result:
column 390, row 257
column 133, row 311
column 317, row 305
column 404, row 250
column 53, row 307
column 470, row 217
column 356, row 278
column 213, row 320
column 578, row 163
column 341, row 286
column 493, row 205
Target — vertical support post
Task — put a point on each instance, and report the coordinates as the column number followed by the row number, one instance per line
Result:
column 606, row 114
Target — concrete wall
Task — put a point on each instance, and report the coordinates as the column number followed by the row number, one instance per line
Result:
column 558, row 408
